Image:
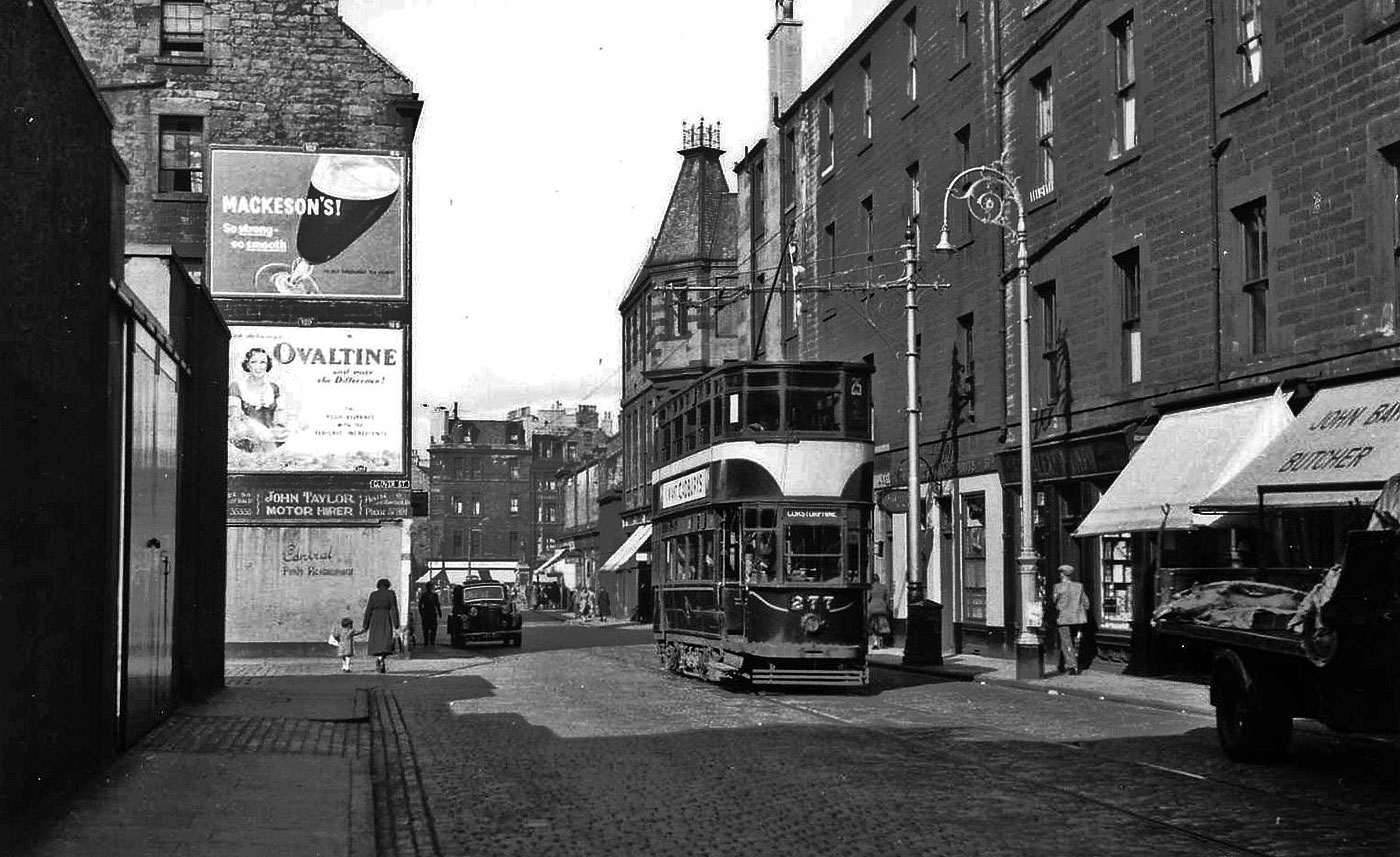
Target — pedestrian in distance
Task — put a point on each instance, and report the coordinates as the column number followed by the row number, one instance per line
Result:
column 382, row 622
column 877, row 611
column 1072, row 610
column 429, row 610
column 345, row 641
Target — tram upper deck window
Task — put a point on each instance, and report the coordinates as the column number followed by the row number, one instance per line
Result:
column 857, row 408
column 691, row 430
column 761, row 410
column 813, row 401
column 702, row 422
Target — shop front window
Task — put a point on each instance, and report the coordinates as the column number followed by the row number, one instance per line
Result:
column 1118, row 562
column 974, row 558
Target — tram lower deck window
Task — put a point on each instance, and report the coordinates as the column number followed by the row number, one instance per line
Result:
column 813, row 552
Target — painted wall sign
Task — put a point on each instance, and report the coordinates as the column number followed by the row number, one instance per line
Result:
column 292, row 584
column 318, row 399
column 333, row 505
column 306, row 224
column 685, row 489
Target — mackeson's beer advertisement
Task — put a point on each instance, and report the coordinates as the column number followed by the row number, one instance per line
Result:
column 315, row 399
column 306, row 224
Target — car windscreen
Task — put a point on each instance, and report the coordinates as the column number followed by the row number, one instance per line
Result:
column 483, row 593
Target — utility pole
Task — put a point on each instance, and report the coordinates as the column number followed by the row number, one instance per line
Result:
column 913, row 570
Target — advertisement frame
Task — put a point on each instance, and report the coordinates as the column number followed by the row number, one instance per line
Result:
column 405, row 440
column 405, row 195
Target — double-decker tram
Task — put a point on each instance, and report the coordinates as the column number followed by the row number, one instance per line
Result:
column 761, row 518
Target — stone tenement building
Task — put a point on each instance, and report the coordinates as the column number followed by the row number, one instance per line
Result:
column 1210, row 200
column 494, row 502
column 682, row 313
column 180, row 76
column 224, row 108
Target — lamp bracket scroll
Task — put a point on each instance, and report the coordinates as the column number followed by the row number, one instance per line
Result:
column 992, row 196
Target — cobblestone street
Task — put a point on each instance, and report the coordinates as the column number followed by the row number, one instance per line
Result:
column 579, row 744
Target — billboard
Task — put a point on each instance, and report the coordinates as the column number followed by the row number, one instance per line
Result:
column 316, row 399
column 306, row 224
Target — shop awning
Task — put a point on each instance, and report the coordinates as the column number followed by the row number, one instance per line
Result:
column 1340, row 450
column 458, row 576
column 1188, row 455
column 629, row 548
column 545, row 566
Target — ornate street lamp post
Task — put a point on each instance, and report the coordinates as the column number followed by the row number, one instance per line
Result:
column 988, row 191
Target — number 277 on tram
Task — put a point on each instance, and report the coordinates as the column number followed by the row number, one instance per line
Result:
column 761, row 520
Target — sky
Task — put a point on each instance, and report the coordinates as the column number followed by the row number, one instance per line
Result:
column 543, row 163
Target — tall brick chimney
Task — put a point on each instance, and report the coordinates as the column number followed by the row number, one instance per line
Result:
column 784, row 58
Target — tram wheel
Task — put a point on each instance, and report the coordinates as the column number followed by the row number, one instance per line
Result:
column 672, row 659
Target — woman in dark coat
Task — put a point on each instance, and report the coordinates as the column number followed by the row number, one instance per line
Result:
column 382, row 621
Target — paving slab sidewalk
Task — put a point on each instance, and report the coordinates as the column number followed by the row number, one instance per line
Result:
column 1099, row 681
column 278, row 763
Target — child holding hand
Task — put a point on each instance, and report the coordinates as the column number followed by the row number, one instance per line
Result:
column 345, row 636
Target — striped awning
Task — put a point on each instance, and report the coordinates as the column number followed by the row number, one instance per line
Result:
column 629, row 548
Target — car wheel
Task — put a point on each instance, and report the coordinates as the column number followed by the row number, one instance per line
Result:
column 1251, row 727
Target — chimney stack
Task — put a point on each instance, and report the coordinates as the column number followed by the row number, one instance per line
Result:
column 784, row 58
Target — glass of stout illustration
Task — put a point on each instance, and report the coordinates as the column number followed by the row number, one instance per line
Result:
column 354, row 191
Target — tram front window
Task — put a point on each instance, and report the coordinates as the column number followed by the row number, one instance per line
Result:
column 813, row 552
column 762, row 410
column 812, row 410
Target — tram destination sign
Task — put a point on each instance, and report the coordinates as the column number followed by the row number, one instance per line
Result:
column 685, row 489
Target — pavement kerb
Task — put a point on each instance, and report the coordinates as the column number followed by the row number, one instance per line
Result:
column 1041, row 687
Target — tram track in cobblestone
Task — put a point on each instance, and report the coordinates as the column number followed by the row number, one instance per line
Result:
column 918, row 738
column 1085, row 747
column 1048, row 755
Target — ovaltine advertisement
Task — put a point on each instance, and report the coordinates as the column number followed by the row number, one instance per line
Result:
column 315, row 399
column 306, row 225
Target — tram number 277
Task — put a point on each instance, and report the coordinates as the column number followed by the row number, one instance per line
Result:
column 811, row 602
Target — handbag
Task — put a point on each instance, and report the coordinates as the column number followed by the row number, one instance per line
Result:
column 331, row 640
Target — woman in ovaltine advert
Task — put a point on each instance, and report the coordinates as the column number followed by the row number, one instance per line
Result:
column 259, row 408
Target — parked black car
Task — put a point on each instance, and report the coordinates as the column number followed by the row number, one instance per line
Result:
column 483, row 612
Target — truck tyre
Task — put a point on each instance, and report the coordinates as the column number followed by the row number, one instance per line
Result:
column 1252, row 727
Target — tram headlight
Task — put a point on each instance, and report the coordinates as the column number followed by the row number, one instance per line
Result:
column 471, row 611
column 812, row 623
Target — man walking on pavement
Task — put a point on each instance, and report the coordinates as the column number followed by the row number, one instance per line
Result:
column 1072, row 609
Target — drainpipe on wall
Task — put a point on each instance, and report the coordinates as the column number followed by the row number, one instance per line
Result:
column 1217, row 150
column 999, row 94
